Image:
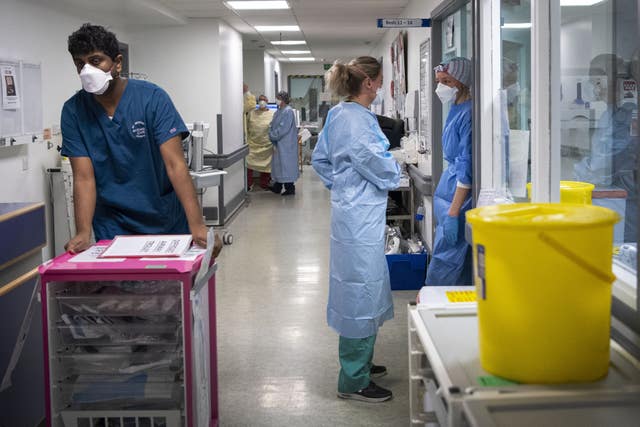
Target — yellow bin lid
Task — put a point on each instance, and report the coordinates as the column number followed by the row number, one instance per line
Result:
column 576, row 185
column 570, row 190
column 542, row 215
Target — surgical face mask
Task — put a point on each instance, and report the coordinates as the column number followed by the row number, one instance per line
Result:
column 94, row 80
column 379, row 97
column 446, row 93
column 601, row 90
column 263, row 104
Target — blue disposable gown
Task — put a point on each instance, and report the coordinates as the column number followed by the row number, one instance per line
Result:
column 352, row 160
column 613, row 161
column 451, row 264
column 284, row 136
column 133, row 192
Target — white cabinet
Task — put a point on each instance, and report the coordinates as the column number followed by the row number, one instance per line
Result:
column 448, row 386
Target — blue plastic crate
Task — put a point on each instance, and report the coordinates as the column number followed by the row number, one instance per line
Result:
column 407, row 271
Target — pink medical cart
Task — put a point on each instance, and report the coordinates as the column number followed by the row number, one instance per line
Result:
column 130, row 342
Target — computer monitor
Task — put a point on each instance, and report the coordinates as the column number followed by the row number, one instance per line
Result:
column 392, row 128
column 271, row 106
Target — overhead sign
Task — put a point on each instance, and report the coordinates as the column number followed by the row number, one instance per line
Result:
column 403, row 22
column 327, row 66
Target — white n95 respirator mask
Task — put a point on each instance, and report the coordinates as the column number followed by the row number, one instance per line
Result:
column 94, row 80
column 263, row 104
column 379, row 97
column 446, row 93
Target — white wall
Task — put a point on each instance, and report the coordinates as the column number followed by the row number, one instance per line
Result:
column 184, row 61
column 584, row 35
column 272, row 65
column 231, row 87
column 37, row 33
column 231, row 97
column 253, row 70
column 200, row 66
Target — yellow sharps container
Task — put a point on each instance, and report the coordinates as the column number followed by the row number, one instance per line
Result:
column 572, row 192
column 543, row 278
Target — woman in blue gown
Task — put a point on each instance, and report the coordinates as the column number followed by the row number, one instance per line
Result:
column 353, row 161
column 451, row 258
column 283, row 134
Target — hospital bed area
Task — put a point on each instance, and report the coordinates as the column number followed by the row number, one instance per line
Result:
column 450, row 242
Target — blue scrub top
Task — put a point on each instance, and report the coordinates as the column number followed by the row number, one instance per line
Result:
column 133, row 192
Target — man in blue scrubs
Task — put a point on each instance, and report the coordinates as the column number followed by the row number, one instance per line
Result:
column 124, row 140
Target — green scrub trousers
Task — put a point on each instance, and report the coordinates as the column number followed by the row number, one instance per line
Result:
column 356, row 355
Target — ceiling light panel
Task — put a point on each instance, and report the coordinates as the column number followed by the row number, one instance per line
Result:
column 579, row 2
column 517, row 25
column 288, row 42
column 257, row 5
column 302, row 59
column 281, row 28
column 296, row 52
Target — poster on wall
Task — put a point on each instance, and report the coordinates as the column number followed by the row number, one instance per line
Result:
column 398, row 77
column 10, row 98
column 449, row 32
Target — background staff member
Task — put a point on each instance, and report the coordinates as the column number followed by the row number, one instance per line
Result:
column 260, row 148
column 248, row 104
column 284, row 136
column 124, row 140
column 451, row 260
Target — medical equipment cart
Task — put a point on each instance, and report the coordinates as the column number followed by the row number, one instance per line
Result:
column 448, row 387
column 129, row 342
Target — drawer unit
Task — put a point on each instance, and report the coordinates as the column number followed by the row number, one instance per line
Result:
column 129, row 343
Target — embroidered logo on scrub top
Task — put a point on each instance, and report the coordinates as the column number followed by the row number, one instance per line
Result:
column 139, row 130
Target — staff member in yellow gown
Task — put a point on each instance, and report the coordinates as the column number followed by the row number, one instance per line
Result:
column 260, row 148
column 248, row 104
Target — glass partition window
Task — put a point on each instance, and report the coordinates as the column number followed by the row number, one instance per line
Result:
column 308, row 97
column 599, row 75
column 514, row 98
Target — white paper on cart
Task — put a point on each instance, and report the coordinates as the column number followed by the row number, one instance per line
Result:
column 158, row 245
column 93, row 255
column 191, row 255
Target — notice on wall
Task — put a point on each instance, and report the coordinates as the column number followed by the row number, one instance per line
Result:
column 10, row 98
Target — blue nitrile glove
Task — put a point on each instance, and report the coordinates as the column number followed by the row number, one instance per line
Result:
column 450, row 229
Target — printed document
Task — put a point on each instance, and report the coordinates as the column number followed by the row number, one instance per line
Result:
column 165, row 245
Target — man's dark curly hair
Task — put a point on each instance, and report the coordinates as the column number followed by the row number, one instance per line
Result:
column 91, row 38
